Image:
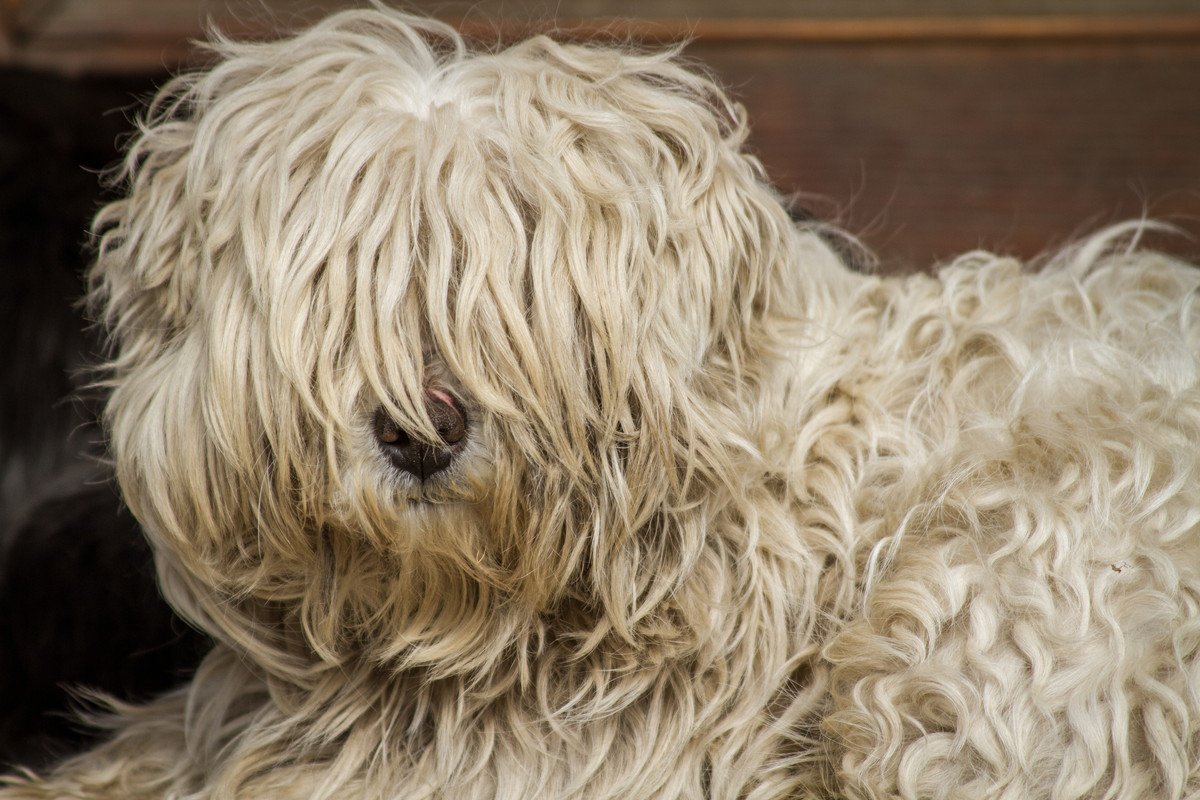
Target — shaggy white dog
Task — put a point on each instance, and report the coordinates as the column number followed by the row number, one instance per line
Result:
column 708, row 515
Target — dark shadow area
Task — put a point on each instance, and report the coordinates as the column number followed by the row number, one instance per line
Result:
column 79, row 606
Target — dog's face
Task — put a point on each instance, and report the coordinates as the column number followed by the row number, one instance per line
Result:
column 389, row 316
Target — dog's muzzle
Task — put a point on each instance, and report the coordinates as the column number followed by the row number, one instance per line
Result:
column 414, row 456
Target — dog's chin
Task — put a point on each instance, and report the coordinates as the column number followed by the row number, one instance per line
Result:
column 439, row 525
column 422, row 504
column 438, row 494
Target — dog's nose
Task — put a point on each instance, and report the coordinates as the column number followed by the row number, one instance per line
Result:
column 417, row 457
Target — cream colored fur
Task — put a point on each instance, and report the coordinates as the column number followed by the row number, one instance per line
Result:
column 732, row 521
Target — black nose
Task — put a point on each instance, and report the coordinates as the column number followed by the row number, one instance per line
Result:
column 415, row 456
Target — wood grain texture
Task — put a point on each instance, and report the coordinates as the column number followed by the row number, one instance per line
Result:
column 78, row 36
column 931, row 151
column 942, row 126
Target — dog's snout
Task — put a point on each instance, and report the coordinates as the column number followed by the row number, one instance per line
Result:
column 415, row 456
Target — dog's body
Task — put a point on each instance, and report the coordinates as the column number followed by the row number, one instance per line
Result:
column 713, row 516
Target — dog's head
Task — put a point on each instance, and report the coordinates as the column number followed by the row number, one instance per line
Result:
column 401, row 329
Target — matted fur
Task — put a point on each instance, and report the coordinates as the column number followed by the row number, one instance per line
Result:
column 732, row 521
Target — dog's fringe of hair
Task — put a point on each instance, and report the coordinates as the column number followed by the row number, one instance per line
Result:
column 732, row 522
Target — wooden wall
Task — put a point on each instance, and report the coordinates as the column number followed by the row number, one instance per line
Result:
column 927, row 127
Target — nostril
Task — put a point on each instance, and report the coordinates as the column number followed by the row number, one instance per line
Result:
column 388, row 432
column 447, row 416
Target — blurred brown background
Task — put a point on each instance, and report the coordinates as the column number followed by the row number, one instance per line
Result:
column 926, row 127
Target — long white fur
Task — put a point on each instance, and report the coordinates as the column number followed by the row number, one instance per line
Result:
column 732, row 521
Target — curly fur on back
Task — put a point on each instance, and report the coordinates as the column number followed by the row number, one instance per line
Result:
column 731, row 521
